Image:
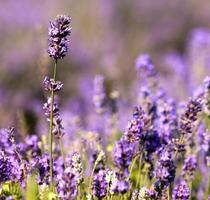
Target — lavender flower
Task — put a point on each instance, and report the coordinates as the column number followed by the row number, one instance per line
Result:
column 204, row 139
column 100, row 184
column 122, row 186
column 136, row 125
column 146, row 194
column 190, row 165
column 59, row 30
column 30, row 146
column 122, row 155
column 190, row 116
column 144, row 64
column 58, row 129
column 42, row 166
column 181, row 192
column 99, row 97
column 5, row 168
column 207, row 95
column 111, row 179
column 167, row 119
column 75, row 164
column 67, row 184
column 165, row 171
column 51, row 84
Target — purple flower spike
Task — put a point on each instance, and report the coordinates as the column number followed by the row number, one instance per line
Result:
column 123, row 154
column 100, row 184
column 190, row 165
column 59, row 30
column 181, row 192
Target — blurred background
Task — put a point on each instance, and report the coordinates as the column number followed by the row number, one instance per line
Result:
column 107, row 36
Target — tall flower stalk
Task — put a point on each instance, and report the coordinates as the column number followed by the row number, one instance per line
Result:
column 59, row 30
column 51, row 129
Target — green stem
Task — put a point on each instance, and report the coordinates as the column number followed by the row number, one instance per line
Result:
column 169, row 192
column 51, row 130
column 91, row 176
column 132, row 167
column 139, row 172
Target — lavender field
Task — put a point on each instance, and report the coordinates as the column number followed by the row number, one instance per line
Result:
column 105, row 100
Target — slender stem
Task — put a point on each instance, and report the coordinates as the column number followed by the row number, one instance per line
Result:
column 169, row 192
column 51, row 130
column 132, row 167
column 139, row 172
column 91, row 176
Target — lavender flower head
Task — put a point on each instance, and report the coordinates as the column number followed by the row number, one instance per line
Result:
column 165, row 170
column 100, row 184
column 58, row 129
column 51, row 84
column 67, row 184
column 5, row 167
column 59, row 30
column 135, row 126
column 207, row 95
column 190, row 165
column 122, row 155
column 76, row 167
column 181, row 192
column 191, row 113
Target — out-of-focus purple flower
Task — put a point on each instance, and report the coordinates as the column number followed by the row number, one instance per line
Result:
column 203, row 139
column 100, row 184
column 165, row 171
column 207, row 95
column 190, row 165
column 144, row 65
column 58, row 129
column 148, row 101
column 167, row 119
column 99, row 96
column 51, row 84
column 181, row 192
column 30, row 145
column 122, row 155
column 122, row 186
column 59, row 30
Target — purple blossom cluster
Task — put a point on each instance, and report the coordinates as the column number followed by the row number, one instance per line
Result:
column 59, row 30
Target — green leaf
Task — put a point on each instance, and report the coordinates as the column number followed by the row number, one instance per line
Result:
column 11, row 189
column 32, row 192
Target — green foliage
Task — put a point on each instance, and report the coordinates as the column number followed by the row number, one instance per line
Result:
column 11, row 189
column 46, row 194
column 32, row 192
